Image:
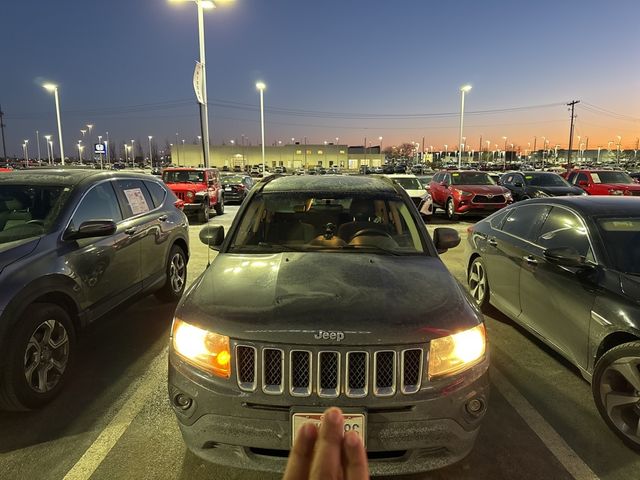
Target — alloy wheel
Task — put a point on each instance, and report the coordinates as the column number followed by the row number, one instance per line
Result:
column 477, row 282
column 620, row 395
column 177, row 272
column 46, row 356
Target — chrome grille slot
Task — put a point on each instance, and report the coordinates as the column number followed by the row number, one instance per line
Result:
column 272, row 370
column 246, row 366
column 384, row 365
column 357, row 374
column 300, row 373
column 411, row 368
column 328, row 374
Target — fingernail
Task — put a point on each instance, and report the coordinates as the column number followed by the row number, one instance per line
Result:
column 307, row 430
column 333, row 416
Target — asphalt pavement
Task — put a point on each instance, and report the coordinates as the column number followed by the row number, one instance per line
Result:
column 113, row 421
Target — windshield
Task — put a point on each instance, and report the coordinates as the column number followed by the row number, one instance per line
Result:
column 232, row 179
column 611, row 177
column 183, row 176
column 28, row 211
column 622, row 242
column 545, row 180
column 313, row 222
column 409, row 183
column 471, row 178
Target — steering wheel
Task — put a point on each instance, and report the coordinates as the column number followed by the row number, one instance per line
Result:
column 371, row 231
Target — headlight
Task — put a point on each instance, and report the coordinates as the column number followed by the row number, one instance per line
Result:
column 457, row 352
column 540, row 194
column 462, row 193
column 190, row 194
column 204, row 349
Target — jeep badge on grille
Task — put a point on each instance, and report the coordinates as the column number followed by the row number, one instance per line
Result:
column 323, row 335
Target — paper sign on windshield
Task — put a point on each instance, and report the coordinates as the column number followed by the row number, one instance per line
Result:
column 596, row 178
column 136, row 201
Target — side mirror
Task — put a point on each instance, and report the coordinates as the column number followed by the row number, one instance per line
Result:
column 445, row 184
column 565, row 257
column 583, row 183
column 212, row 235
column 91, row 229
column 445, row 238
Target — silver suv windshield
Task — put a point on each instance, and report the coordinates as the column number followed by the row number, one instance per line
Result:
column 326, row 223
column 29, row 211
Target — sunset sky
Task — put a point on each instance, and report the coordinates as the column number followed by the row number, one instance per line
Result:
column 333, row 68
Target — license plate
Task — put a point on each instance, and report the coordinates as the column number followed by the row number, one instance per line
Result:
column 228, row 189
column 355, row 422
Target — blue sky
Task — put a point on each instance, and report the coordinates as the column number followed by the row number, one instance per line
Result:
column 362, row 57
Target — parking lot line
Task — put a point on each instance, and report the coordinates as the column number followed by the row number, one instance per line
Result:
column 137, row 395
column 552, row 440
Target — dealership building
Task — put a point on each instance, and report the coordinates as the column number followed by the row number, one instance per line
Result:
column 290, row 156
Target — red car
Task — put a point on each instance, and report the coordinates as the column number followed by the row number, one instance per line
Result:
column 198, row 188
column 462, row 192
column 604, row 182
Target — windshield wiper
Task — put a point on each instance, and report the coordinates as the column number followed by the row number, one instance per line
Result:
column 266, row 245
column 634, row 274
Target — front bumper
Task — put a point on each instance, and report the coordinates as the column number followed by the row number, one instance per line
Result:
column 405, row 433
column 468, row 207
column 192, row 207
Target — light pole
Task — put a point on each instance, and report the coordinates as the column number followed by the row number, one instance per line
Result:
column 51, row 147
column 133, row 153
column 107, row 148
column 504, row 163
column 26, row 151
column 463, row 90
column 38, row 142
column 48, row 139
column 54, row 88
column 261, row 86
column 150, row 152
column 618, row 155
column 204, row 110
column 80, row 150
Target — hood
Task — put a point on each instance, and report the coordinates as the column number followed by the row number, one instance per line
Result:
column 557, row 191
column 13, row 251
column 183, row 187
column 482, row 189
column 288, row 297
column 416, row 193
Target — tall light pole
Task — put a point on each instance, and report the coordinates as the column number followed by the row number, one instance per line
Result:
column 618, row 155
column 463, row 90
column 54, row 88
column 204, row 110
column 107, row 147
column 133, row 153
column 80, row 150
column 26, row 150
column 261, row 86
column 38, row 142
column 48, row 139
column 51, row 147
column 150, row 151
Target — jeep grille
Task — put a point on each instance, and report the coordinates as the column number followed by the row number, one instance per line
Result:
column 329, row 373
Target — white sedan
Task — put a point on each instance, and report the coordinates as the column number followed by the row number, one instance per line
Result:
column 417, row 192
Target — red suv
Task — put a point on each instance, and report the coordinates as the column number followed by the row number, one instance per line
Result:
column 604, row 182
column 462, row 192
column 198, row 188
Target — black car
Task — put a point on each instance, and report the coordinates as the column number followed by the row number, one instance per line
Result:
column 74, row 244
column 316, row 298
column 236, row 187
column 568, row 270
column 526, row 185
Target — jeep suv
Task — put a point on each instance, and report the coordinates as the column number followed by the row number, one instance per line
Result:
column 462, row 192
column 198, row 188
column 312, row 302
column 604, row 182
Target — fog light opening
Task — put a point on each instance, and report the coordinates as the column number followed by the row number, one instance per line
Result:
column 182, row 401
column 475, row 407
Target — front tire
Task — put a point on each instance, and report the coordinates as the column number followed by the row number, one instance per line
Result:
column 616, row 391
column 176, row 281
column 39, row 357
column 450, row 210
column 479, row 284
column 205, row 212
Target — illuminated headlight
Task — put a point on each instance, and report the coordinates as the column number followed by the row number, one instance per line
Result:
column 457, row 352
column 616, row 192
column 206, row 350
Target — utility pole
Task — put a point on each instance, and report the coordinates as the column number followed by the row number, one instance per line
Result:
column 573, row 117
column 2, row 125
column 479, row 153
